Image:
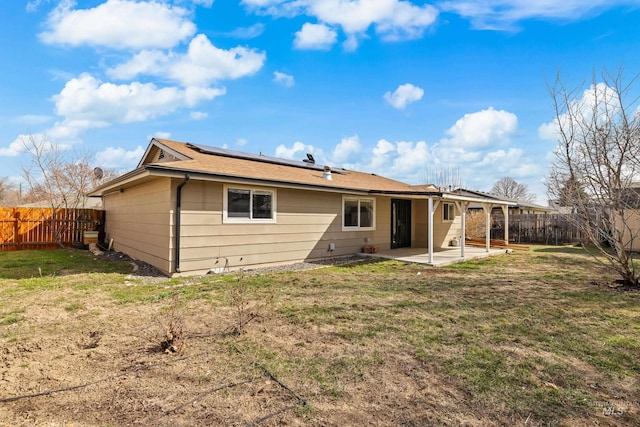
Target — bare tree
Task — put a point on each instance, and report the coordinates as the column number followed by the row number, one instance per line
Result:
column 448, row 178
column 508, row 187
column 59, row 178
column 9, row 192
column 596, row 163
column 55, row 176
column 5, row 188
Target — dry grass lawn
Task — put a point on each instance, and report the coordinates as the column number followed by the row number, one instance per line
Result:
column 532, row 338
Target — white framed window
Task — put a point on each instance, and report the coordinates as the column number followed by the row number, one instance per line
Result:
column 249, row 205
column 448, row 211
column 358, row 213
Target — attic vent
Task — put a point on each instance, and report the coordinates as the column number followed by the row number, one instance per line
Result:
column 161, row 155
column 327, row 173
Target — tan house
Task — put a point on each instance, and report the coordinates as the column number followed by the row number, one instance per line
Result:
column 192, row 209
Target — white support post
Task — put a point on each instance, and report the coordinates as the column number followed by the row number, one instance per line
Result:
column 462, row 207
column 505, row 212
column 487, row 228
column 430, row 229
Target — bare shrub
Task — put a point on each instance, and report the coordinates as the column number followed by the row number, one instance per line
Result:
column 171, row 334
column 245, row 304
column 238, row 293
column 475, row 227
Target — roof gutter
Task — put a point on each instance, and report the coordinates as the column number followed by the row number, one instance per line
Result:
column 177, row 231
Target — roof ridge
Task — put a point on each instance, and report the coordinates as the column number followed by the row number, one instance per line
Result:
column 225, row 152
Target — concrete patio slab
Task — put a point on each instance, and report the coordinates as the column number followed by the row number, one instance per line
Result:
column 440, row 256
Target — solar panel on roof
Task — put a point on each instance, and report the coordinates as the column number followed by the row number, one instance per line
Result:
column 258, row 158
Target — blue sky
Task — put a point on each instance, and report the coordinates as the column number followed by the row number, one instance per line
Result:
column 403, row 89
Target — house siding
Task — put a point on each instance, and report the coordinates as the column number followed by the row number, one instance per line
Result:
column 443, row 231
column 630, row 228
column 141, row 221
column 306, row 223
column 138, row 221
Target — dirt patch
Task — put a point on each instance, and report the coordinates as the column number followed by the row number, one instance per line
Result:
column 139, row 268
column 370, row 344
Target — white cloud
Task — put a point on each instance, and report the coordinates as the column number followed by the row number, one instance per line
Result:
column 403, row 95
column 283, row 79
column 119, row 24
column 119, row 158
column 582, row 110
column 346, row 149
column 296, row 152
column 69, row 129
column 391, row 19
column 22, row 144
column 503, row 14
column 205, row 3
column 34, row 5
column 451, row 154
column 148, row 62
column 410, row 161
column 381, row 153
column 549, row 131
column 482, row 128
column 86, row 102
column 198, row 115
column 160, row 134
column 315, row 37
column 497, row 158
column 250, row 32
column 406, row 22
column 15, row 148
column 241, row 142
column 203, row 64
column 403, row 160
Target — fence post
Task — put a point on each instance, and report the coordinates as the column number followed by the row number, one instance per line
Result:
column 16, row 229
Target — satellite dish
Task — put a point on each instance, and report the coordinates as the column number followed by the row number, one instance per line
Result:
column 98, row 173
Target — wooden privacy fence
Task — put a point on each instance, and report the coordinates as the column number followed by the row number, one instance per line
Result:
column 547, row 229
column 33, row 228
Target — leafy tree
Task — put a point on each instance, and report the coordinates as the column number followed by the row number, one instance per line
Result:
column 596, row 164
column 508, row 187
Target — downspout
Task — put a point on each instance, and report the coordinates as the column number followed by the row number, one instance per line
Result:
column 177, row 231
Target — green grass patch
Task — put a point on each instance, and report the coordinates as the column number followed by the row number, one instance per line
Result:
column 12, row 317
column 55, row 262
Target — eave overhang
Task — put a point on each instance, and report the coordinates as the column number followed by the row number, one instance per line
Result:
column 149, row 171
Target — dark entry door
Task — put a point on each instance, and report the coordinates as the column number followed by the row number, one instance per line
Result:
column 400, row 223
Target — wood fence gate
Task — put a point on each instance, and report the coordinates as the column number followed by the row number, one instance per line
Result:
column 37, row 228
